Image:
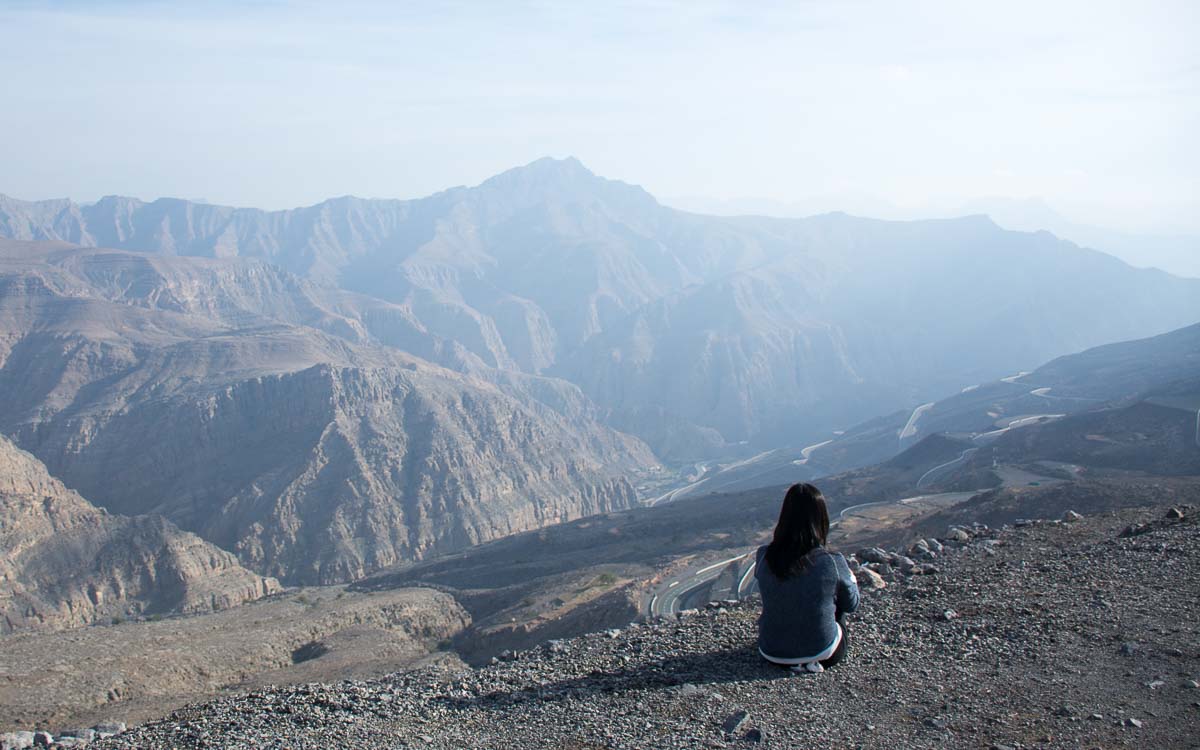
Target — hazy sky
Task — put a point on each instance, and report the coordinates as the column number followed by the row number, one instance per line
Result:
column 1094, row 106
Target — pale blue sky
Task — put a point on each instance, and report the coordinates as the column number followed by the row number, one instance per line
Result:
column 1091, row 105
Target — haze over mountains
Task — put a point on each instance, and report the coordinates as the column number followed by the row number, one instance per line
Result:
column 369, row 389
column 331, row 390
column 1163, row 370
column 1176, row 253
column 695, row 333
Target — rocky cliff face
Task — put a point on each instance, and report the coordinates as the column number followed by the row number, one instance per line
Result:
column 64, row 562
column 243, row 405
column 329, row 473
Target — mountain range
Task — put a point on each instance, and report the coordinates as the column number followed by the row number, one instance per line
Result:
column 193, row 389
column 1177, row 253
column 332, row 390
column 694, row 332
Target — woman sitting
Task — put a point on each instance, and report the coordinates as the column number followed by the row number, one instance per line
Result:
column 806, row 589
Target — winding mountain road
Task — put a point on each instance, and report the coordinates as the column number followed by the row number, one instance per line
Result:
column 707, row 474
column 1045, row 393
column 682, row 590
column 806, row 453
column 961, row 458
column 910, row 427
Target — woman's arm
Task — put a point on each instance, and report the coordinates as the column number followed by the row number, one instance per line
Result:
column 846, row 595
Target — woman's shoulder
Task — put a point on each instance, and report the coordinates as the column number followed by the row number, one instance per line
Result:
column 826, row 556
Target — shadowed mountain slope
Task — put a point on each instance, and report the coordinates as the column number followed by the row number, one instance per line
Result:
column 64, row 562
column 1161, row 368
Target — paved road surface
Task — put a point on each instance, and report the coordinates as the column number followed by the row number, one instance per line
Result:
column 961, row 457
column 910, row 427
column 806, row 453
column 707, row 476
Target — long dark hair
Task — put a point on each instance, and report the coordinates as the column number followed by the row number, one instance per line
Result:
column 803, row 526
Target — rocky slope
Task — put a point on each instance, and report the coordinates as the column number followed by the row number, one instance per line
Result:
column 1157, row 368
column 586, row 575
column 229, row 397
column 1146, row 439
column 1049, row 635
column 139, row 670
column 65, row 563
column 1012, row 504
column 788, row 328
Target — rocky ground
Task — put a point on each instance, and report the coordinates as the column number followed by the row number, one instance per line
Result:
column 584, row 575
column 1082, row 633
column 137, row 671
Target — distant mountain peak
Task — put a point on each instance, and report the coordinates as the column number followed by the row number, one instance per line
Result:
column 541, row 171
column 549, row 178
column 565, row 163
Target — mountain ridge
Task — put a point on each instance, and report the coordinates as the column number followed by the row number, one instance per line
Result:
column 198, row 387
column 549, row 269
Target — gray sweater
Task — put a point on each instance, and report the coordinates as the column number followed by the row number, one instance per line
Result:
column 799, row 613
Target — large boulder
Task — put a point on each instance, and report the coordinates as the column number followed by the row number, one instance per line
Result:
column 875, row 555
column 869, row 580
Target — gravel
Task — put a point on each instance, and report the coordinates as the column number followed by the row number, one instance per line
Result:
column 1032, row 656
